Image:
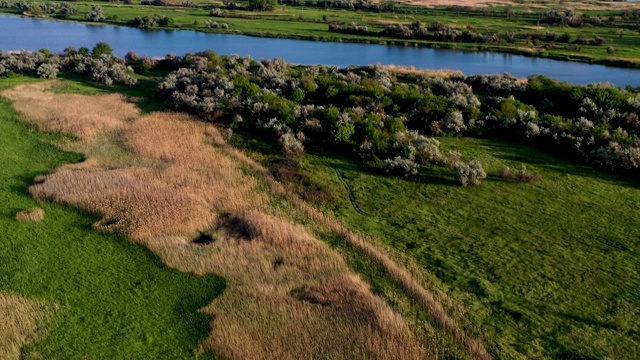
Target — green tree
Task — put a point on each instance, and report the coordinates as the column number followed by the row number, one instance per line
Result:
column 263, row 5
column 101, row 48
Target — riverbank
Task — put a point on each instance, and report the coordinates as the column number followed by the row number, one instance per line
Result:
column 512, row 30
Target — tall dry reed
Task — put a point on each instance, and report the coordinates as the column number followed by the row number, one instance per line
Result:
column 289, row 295
column 19, row 320
column 78, row 115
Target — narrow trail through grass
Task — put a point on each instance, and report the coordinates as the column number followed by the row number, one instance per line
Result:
column 114, row 299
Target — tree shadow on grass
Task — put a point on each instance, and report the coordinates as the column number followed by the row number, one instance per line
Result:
column 188, row 309
column 142, row 94
column 350, row 164
column 559, row 163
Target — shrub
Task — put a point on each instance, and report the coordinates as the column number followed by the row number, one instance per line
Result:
column 154, row 2
column 152, row 22
column 418, row 148
column 96, row 14
column 471, row 173
column 217, row 12
column 263, row 5
column 47, row 71
column 400, row 167
column 524, row 176
column 454, row 121
column 101, row 49
column 505, row 173
column 292, row 147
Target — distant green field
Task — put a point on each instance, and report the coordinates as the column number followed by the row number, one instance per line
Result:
column 543, row 270
column 116, row 300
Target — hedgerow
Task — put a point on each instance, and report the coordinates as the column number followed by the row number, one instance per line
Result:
column 390, row 120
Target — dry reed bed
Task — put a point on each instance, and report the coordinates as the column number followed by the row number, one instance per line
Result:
column 289, row 295
column 412, row 70
column 77, row 115
column 576, row 5
column 19, row 319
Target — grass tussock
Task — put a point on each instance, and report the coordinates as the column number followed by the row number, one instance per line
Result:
column 31, row 215
column 188, row 181
column 19, row 318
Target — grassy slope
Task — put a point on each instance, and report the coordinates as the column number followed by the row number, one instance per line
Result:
column 544, row 269
column 117, row 301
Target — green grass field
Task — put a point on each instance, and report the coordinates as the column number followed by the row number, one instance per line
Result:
column 547, row 269
column 116, row 299
column 542, row 270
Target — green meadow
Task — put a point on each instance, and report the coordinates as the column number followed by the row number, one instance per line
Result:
column 546, row 269
column 112, row 299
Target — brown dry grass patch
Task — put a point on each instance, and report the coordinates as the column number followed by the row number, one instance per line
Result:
column 576, row 5
column 79, row 115
column 31, row 215
column 412, row 70
column 19, row 319
column 467, row 3
column 183, row 179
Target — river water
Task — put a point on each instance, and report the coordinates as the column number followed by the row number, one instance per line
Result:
column 18, row 33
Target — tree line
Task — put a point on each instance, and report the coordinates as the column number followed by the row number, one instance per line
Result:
column 392, row 121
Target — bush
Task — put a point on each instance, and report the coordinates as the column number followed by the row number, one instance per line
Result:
column 101, row 49
column 263, row 5
column 292, row 147
column 217, row 12
column 471, row 173
column 47, row 71
column 96, row 14
column 152, row 22
column 400, row 167
column 154, row 2
column 522, row 176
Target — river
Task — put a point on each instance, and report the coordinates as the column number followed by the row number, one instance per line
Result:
column 18, row 33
